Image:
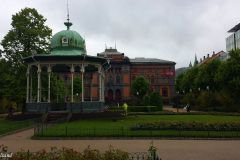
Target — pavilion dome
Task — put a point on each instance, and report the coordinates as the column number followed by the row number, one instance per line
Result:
column 67, row 42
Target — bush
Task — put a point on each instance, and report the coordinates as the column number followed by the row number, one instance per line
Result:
column 207, row 101
column 70, row 154
column 189, row 98
column 156, row 100
column 146, row 100
column 143, row 108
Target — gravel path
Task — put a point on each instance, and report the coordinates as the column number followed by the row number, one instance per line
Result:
column 168, row 149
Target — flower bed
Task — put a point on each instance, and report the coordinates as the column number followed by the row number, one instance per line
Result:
column 191, row 126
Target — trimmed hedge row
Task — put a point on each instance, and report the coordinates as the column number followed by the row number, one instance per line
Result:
column 143, row 108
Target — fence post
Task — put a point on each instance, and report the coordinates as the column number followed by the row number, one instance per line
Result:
column 66, row 131
column 42, row 129
column 94, row 131
column 122, row 131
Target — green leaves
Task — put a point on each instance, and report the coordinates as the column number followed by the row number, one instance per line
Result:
column 219, row 83
column 139, row 87
column 28, row 33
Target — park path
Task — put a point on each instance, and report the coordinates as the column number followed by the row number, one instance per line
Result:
column 168, row 149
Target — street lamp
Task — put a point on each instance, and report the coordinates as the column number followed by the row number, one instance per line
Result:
column 207, row 88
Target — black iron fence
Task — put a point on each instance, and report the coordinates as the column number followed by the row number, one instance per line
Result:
column 44, row 130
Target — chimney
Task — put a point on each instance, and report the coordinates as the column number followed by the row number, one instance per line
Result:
column 213, row 53
column 204, row 57
column 207, row 55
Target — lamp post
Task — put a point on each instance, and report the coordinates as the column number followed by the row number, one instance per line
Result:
column 207, row 88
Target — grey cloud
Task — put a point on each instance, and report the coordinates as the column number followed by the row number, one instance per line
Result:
column 172, row 30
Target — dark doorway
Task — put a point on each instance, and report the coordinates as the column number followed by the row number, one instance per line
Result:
column 118, row 95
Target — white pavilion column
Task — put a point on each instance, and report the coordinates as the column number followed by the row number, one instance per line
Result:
column 27, row 74
column 39, row 83
column 103, row 87
column 49, row 83
column 91, row 89
column 100, row 83
column 82, row 76
column 72, row 72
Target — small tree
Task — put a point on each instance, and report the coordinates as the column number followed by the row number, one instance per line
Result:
column 156, row 100
column 140, row 87
column 28, row 33
column 77, row 85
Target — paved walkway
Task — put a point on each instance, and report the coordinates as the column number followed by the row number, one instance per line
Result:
column 168, row 149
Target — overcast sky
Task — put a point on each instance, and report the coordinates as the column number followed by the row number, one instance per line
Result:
column 173, row 30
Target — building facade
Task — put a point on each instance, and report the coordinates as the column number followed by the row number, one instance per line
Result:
column 160, row 74
column 233, row 41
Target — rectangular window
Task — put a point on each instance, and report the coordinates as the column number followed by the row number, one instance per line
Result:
column 165, row 92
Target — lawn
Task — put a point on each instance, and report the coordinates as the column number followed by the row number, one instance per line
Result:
column 8, row 126
column 121, row 128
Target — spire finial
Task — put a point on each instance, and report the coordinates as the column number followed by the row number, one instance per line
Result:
column 68, row 24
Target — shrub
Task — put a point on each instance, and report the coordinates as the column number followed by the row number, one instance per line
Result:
column 207, row 101
column 143, row 108
column 146, row 100
column 156, row 100
column 70, row 154
column 189, row 98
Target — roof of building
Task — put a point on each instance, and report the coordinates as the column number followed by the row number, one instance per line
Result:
column 110, row 51
column 213, row 57
column 150, row 60
column 235, row 28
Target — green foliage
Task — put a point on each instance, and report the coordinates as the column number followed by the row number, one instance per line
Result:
column 206, row 75
column 57, row 88
column 189, row 98
column 77, row 85
column 219, row 83
column 146, row 100
column 139, row 87
column 156, row 100
column 28, row 33
column 143, row 108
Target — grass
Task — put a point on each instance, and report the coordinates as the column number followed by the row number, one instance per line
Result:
column 121, row 128
column 8, row 126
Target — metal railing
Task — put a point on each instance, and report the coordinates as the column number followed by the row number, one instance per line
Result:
column 44, row 130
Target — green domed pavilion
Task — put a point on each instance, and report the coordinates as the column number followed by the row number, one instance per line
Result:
column 67, row 57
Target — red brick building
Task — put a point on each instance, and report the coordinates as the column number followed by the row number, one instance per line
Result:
column 123, row 71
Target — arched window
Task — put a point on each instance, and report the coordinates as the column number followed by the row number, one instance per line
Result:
column 118, row 79
column 110, row 80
